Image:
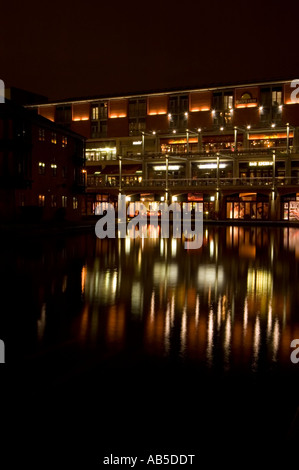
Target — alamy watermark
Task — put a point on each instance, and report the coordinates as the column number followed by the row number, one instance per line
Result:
column 2, row 92
column 106, row 226
column 295, row 354
column 2, row 352
column 295, row 84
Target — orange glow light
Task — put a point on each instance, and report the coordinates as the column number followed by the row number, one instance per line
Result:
column 154, row 113
column 248, row 105
column 279, row 135
column 203, row 108
column 192, row 140
column 84, row 118
column 113, row 116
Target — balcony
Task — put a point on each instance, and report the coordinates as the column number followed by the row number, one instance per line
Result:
column 198, row 183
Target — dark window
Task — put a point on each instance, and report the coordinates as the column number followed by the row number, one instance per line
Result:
column 64, row 114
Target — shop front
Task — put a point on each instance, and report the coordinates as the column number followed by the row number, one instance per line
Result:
column 273, row 140
column 261, row 172
column 208, row 144
column 290, row 207
column 208, row 170
column 159, row 171
column 247, row 206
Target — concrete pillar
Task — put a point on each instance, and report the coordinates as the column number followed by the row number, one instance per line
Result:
column 277, row 207
column 199, row 142
column 188, row 170
column 118, row 147
column 288, row 167
column 236, row 168
column 144, row 169
column 296, row 140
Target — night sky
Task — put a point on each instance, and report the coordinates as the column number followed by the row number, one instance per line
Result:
column 64, row 49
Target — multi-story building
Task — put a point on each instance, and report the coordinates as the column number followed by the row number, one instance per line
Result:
column 41, row 167
column 233, row 148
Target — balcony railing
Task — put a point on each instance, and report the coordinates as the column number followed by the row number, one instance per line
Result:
column 213, row 153
column 186, row 183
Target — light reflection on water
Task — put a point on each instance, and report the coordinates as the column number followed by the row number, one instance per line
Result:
column 231, row 304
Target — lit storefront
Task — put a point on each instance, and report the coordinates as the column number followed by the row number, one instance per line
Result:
column 102, row 201
column 209, row 169
column 247, row 206
column 159, row 171
column 109, row 176
column 98, row 151
column 209, row 144
column 275, row 140
column 290, row 207
column 261, row 169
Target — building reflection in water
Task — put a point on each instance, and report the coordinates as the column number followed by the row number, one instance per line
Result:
column 231, row 304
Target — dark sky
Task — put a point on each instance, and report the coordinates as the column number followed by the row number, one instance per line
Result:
column 68, row 48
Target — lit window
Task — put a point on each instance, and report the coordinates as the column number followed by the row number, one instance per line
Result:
column 75, row 203
column 53, row 138
column 54, row 169
column 41, row 200
column 228, row 101
column 276, row 98
column 95, row 113
column 41, row 168
column 64, row 141
column 41, row 135
column 64, row 201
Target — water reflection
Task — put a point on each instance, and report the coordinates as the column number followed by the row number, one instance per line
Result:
column 220, row 305
column 231, row 304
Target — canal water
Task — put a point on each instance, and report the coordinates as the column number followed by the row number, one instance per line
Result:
column 138, row 346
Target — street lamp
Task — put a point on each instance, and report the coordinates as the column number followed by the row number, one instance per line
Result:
column 120, row 173
column 288, row 135
column 197, row 133
column 236, row 129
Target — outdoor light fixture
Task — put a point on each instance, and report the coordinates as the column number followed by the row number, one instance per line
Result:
column 162, row 198
column 186, row 114
column 213, row 111
column 163, row 167
column 204, row 166
column 174, row 131
column 280, row 107
column 169, row 115
column 154, row 132
column 261, row 108
column 199, row 129
column 174, row 198
column 273, row 125
column 221, row 128
column 212, row 198
column 248, row 127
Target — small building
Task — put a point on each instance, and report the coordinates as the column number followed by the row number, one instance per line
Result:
column 42, row 174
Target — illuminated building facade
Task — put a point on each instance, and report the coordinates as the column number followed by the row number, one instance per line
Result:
column 41, row 167
column 233, row 148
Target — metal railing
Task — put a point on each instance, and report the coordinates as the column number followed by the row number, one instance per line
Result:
column 213, row 153
column 197, row 182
